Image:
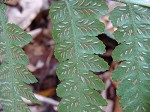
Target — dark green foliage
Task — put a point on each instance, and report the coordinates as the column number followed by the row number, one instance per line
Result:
column 76, row 23
column 75, row 26
column 13, row 74
column 133, row 23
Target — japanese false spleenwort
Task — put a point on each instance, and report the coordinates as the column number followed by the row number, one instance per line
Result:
column 13, row 74
column 133, row 34
column 75, row 26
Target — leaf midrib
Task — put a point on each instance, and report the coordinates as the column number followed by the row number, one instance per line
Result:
column 137, row 52
column 75, row 41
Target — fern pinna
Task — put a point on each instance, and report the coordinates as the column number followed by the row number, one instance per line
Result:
column 75, row 26
column 13, row 74
column 133, row 34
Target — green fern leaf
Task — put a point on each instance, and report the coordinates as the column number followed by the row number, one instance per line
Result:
column 13, row 74
column 133, row 22
column 75, row 26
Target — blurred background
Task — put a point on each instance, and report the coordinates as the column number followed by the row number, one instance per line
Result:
column 33, row 16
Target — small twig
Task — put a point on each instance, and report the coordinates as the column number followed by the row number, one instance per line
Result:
column 42, row 99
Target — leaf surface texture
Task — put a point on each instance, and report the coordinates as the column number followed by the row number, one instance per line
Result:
column 133, row 34
column 13, row 74
column 75, row 26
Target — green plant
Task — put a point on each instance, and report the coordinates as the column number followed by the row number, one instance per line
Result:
column 13, row 74
column 133, row 34
column 76, row 25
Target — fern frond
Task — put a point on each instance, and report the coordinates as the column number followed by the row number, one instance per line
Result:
column 133, row 22
column 13, row 74
column 75, row 26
